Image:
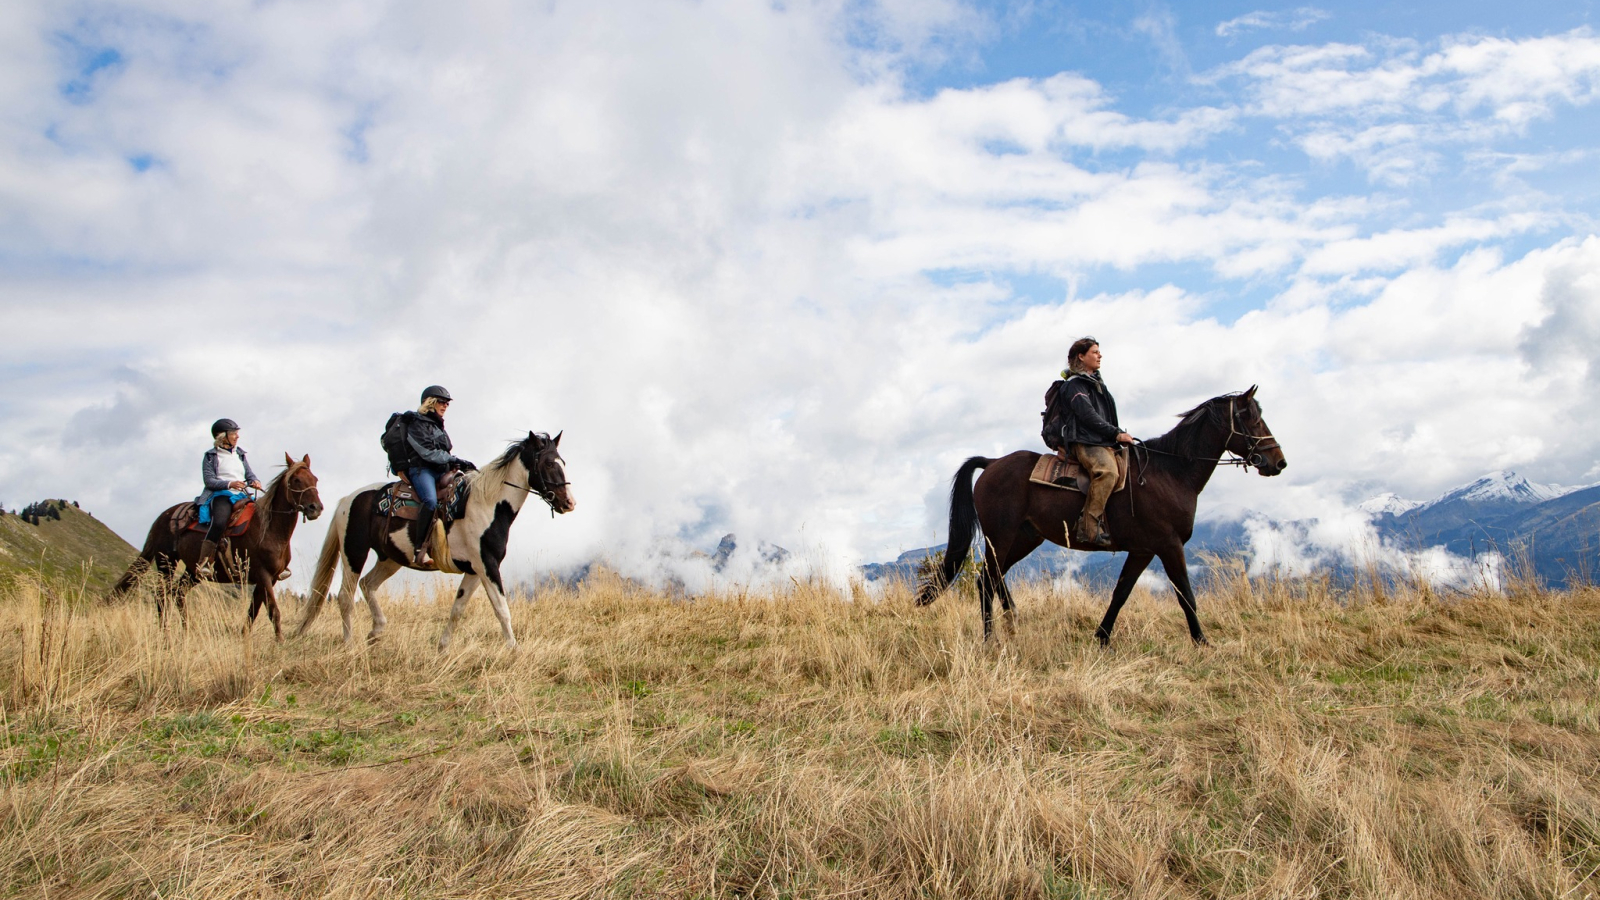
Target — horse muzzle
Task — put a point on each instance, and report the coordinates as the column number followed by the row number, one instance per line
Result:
column 1267, row 466
column 311, row 511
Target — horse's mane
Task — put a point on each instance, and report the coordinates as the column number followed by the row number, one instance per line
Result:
column 494, row 472
column 258, row 525
column 1183, row 441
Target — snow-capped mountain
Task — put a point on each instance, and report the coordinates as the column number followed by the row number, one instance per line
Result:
column 1388, row 503
column 1503, row 485
column 1503, row 488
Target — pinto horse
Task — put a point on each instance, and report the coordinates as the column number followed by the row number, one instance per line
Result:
column 1153, row 517
column 477, row 539
column 259, row 557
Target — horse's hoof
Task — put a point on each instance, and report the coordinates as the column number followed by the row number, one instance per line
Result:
column 1201, row 641
column 1103, row 638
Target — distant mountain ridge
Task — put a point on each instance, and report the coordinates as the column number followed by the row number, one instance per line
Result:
column 1555, row 528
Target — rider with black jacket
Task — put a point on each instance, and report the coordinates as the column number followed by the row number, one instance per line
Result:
column 427, row 457
column 1081, row 424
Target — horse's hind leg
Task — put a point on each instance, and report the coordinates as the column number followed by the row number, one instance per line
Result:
column 1026, row 540
column 1136, row 563
column 369, row 589
column 986, row 599
column 1178, row 573
column 347, row 599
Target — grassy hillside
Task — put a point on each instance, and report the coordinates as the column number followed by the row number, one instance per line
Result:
column 66, row 545
column 806, row 743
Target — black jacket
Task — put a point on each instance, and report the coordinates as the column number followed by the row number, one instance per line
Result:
column 428, row 445
column 1080, row 410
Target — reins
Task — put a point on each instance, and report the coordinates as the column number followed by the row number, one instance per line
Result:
column 1257, row 443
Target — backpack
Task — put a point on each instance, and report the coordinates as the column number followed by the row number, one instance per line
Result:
column 394, row 442
column 1052, row 419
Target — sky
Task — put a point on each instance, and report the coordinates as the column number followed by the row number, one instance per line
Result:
column 776, row 268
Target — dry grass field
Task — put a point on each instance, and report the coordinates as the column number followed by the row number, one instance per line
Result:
column 1387, row 743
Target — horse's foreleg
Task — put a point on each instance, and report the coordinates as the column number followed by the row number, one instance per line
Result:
column 502, row 610
column 469, row 583
column 1178, row 573
column 1131, row 569
column 265, row 595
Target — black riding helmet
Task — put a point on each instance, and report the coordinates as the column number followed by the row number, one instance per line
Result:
column 221, row 425
column 434, row 390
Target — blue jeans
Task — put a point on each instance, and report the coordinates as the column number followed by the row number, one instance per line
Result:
column 221, row 508
column 426, row 484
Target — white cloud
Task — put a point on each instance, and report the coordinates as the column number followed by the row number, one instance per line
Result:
column 1388, row 105
column 1280, row 20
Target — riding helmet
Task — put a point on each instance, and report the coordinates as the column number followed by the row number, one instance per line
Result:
column 221, row 425
column 434, row 390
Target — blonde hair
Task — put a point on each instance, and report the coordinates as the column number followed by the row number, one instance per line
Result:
column 430, row 404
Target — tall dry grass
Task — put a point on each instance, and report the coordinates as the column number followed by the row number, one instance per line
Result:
column 1391, row 743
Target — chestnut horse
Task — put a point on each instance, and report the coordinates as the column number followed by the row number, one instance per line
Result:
column 1153, row 517
column 259, row 557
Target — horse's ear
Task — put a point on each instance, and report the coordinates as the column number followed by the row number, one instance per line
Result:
column 287, row 459
column 306, row 459
column 1252, row 392
column 557, row 441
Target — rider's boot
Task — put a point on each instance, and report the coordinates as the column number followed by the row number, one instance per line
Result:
column 205, row 562
column 421, row 533
column 1091, row 532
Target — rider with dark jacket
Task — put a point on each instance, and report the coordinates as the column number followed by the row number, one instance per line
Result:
column 1081, row 424
column 427, row 457
column 225, row 471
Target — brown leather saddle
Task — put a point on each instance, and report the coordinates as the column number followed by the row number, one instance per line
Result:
column 187, row 518
column 1053, row 471
column 400, row 500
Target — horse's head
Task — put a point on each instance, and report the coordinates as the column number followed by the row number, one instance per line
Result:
column 1249, row 437
column 547, row 473
column 300, row 486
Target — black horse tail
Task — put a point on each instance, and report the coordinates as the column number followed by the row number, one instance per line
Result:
column 159, row 538
column 963, row 526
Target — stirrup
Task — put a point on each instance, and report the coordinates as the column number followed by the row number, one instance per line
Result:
column 1099, row 538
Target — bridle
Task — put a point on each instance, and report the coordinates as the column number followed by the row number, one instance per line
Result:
column 1255, row 444
column 546, row 490
column 295, row 495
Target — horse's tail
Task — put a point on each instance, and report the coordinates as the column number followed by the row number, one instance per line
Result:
column 963, row 525
column 153, row 541
column 327, row 562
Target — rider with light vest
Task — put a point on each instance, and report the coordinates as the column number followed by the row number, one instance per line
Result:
column 226, row 472
column 427, row 456
column 1081, row 424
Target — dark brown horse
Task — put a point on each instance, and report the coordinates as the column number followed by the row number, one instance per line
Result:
column 1153, row 517
column 259, row 557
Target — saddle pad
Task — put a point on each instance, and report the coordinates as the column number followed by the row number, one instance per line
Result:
column 243, row 513
column 1053, row 471
column 399, row 501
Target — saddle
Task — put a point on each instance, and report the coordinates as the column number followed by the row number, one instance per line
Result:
column 187, row 518
column 1053, row 471
column 400, row 498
